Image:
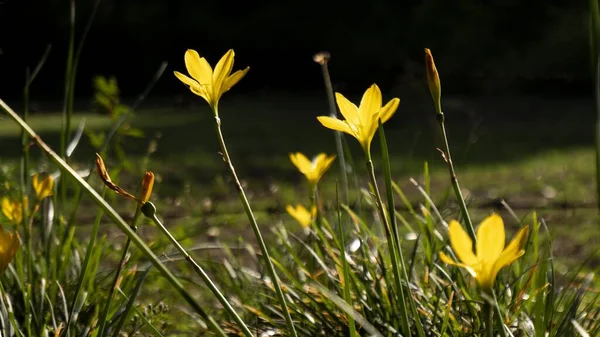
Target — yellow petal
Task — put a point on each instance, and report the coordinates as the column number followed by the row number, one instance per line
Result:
column 7, row 208
column 370, row 103
column 301, row 214
column 348, row 109
column 233, row 79
column 301, row 162
column 490, row 240
column 512, row 252
column 147, row 185
column 43, row 188
column 461, row 243
column 389, row 109
column 9, row 244
column 222, row 71
column 198, row 67
column 450, row 261
column 336, row 124
column 186, row 80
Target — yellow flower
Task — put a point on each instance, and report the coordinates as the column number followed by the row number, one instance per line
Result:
column 207, row 83
column 433, row 80
column 13, row 210
column 147, row 183
column 43, row 188
column 491, row 255
column 313, row 170
column 301, row 214
column 361, row 122
column 9, row 244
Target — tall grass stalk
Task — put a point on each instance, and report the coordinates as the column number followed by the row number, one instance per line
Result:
column 115, row 283
column 405, row 328
column 323, row 60
column 393, row 223
column 255, row 228
column 595, row 60
column 69, row 90
column 27, row 230
column 149, row 210
column 116, row 218
column 454, row 179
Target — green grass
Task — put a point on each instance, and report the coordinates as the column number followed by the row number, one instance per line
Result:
column 534, row 155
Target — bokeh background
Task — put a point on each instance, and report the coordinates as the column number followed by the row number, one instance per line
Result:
column 516, row 78
column 481, row 47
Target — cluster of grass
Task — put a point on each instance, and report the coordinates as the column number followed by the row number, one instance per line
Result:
column 367, row 260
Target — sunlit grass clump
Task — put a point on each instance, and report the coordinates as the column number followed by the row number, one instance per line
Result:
column 351, row 268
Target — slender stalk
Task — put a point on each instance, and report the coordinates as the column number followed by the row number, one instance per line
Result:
column 597, row 99
column 345, row 268
column 86, row 264
column 116, row 218
column 454, row 179
column 255, row 228
column 66, row 113
column 488, row 312
column 595, row 60
column 338, row 134
column 122, row 263
column 392, row 247
column 393, row 223
column 149, row 211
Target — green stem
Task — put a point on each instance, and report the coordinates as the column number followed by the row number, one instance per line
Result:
column 338, row 135
column 86, row 265
column 116, row 218
column 391, row 246
column 120, row 266
column 149, row 210
column 255, row 228
column 454, row 179
column 488, row 311
column 597, row 99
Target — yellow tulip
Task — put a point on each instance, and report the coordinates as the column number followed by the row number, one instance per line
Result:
column 301, row 214
column 361, row 122
column 9, row 244
column 433, row 80
column 205, row 82
column 313, row 170
column 491, row 255
column 13, row 210
column 43, row 187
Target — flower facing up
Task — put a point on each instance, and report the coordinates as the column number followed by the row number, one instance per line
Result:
column 43, row 187
column 433, row 80
column 301, row 214
column 491, row 255
column 207, row 83
column 9, row 244
column 147, row 183
column 313, row 170
column 13, row 210
column 361, row 122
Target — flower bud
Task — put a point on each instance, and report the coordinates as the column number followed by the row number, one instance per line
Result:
column 433, row 80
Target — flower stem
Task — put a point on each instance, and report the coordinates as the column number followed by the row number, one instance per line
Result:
column 392, row 247
column 150, row 212
column 488, row 311
column 122, row 262
column 338, row 134
column 116, row 218
column 255, row 228
column 454, row 179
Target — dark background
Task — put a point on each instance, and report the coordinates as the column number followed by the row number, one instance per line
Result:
column 481, row 47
